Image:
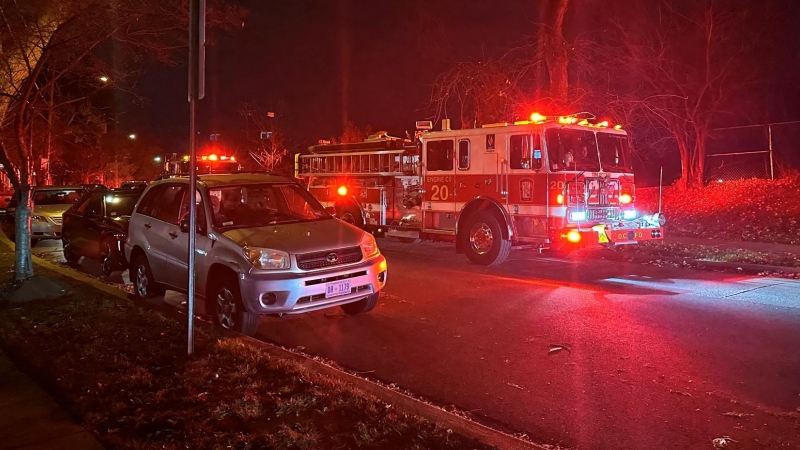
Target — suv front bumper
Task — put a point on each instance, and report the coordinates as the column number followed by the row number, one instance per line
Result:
column 301, row 292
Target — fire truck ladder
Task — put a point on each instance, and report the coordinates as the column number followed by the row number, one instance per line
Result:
column 382, row 163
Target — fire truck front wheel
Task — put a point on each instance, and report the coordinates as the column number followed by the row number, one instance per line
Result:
column 482, row 239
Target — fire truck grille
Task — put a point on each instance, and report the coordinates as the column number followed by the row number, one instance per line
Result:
column 603, row 214
column 329, row 258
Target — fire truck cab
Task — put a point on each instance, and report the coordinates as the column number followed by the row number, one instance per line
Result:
column 562, row 182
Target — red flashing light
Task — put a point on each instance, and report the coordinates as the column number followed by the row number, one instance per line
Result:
column 204, row 157
column 342, row 190
column 223, row 157
column 233, row 158
column 560, row 199
column 573, row 236
column 625, row 199
column 212, row 157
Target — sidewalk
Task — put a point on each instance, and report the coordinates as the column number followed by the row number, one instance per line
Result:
column 764, row 247
column 31, row 420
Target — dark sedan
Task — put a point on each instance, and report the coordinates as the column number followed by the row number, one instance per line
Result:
column 96, row 228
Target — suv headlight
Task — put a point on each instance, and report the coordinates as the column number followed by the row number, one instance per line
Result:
column 368, row 246
column 38, row 218
column 266, row 258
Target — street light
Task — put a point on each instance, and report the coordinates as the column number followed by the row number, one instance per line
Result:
column 104, row 79
column 157, row 159
column 132, row 136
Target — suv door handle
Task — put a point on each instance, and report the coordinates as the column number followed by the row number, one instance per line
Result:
column 173, row 235
column 148, row 226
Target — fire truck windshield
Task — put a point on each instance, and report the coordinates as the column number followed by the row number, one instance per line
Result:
column 614, row 152
column 572, row 149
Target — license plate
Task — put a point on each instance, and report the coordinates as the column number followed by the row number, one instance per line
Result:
column 337, row 288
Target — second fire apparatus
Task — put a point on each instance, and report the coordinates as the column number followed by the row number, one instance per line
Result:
column 555, row 183
column 206, row 163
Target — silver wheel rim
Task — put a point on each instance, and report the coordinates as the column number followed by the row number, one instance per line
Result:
column 105, row 258
column 226, row 308
column 481, row 238
column 141, row 280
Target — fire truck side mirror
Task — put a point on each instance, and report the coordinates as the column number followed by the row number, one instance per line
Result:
column 537, row 159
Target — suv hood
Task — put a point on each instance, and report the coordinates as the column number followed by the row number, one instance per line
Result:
column 51, row 210
column 302, row 237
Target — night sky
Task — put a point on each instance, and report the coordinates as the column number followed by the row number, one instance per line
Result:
column 320, row 63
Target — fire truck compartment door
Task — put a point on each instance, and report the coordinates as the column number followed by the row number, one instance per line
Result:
column 439, row 185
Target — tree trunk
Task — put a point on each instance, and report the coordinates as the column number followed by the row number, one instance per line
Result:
column 558, row 60
column 686, row 164
column 22, row 233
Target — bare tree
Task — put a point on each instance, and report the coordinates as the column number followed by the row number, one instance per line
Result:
column 53, row 46
column 680, row 65
column 263, row 138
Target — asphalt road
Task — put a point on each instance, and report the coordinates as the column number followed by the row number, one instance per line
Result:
column 651, row 358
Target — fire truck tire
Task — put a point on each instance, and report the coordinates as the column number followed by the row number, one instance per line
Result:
column 350, row 215
column 405, row 240
column 483, row 241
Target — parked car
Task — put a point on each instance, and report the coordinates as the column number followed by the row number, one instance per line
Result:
column 133, row 185
column 94, row 187
column 96, row 228
column 49, row 204
column 264, row 246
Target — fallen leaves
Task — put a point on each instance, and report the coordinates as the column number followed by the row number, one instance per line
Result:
column 555, row 348
column 737, row 414
column 722, row 442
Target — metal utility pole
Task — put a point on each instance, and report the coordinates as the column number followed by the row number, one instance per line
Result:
column 197, row 62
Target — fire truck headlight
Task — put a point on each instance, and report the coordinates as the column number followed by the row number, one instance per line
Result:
column 577, row 216
column 342, row 190
column 629, row 214
column 625, row 199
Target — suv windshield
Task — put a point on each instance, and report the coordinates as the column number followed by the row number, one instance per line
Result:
column 120, row 205
column 57, row 196
column 255, row 205
column 571, row 149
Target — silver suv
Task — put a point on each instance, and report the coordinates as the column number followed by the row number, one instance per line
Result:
column 264, row 246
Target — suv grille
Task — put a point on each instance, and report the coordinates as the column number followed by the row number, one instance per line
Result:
column 329, row 258
column 57, row 220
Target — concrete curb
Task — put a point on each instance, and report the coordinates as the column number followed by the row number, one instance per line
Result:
column 434, row 414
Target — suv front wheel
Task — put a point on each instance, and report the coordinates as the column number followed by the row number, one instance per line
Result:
column 228, row 310
column 362, row 306
column 144, row 285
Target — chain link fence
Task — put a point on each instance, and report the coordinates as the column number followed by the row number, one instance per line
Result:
column 765, row 151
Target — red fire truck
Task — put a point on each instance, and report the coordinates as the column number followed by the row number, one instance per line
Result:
column 544, row 182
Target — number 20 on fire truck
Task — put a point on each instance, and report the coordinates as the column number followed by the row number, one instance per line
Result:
column 561, row 182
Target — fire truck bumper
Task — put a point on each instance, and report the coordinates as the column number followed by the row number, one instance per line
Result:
column 605, row 235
